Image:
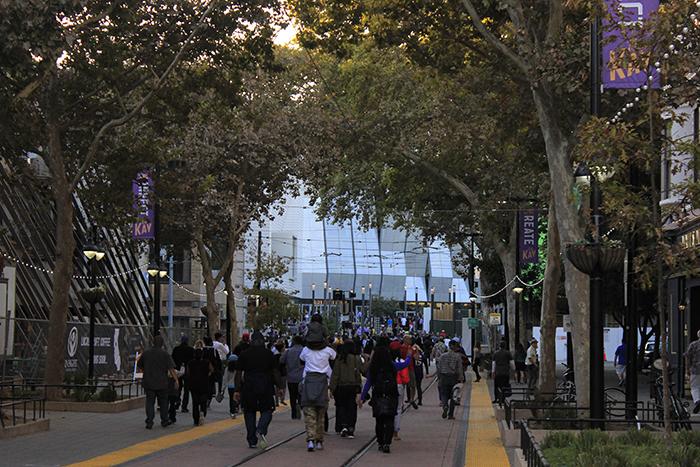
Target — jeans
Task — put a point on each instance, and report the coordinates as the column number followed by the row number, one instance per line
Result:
column 445, row 385
column 199, row 405
column 695, row 387
column 419, row 387
column 254, row 427
column 346, row 407
column 500, row 382
column 151, row 396
column 232, row 404
column 397, row 418
column 532, row 374
column 173, row 404
column 476, row 371
column 294, row 400
column 384, row 429
column 183, row 391
column 314, row 421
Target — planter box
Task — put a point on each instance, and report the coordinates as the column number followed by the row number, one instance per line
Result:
column 24, row 429
column 587, row 256
column 98, row 407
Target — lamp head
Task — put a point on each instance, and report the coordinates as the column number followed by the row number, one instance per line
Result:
column 153, row 270
column 518, row 290
column 472, row 299
column 583, row 174
column 90, row 251
column 162, row 273
column 313, row 286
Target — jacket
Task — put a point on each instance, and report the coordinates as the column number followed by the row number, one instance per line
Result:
column 313, row 390
column 347, row 373
column 317, row 333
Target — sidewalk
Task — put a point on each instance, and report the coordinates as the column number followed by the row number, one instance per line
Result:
column 121, row 439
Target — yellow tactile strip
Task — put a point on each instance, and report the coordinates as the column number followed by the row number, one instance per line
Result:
column 484, row 446
column 158, row 444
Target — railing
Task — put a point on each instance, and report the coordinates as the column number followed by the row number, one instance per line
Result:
column 540, row 408
column 123, row 389
column 531, row 448
column 588, row 423
column 19, row 411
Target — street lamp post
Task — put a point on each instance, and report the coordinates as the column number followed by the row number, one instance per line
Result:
column 155, row 271
column 369, row 312
column 362, row 316
column 93, row 254
column 325, row 294
column 313, row 299
column 405, row 301
column 518, row 291
column 473, row 315
column 228, row 320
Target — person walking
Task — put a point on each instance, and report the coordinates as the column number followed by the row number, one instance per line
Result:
column 279, row 349
column 476, row 361
column 182, row 354
column 243, row 345
column 157, row 365
column 519, row 357
column 439, row 348
column 257, row 376
column 501, row 366
column 419, row 356
column 449, row 372
column 314, row 392
column 692, row 357
column 199, row 371
column 345, row 386
column 381, row 381
column 211, row 354
column 229, row 382
column 295, row 369
column 532, row 363
column 620, row 362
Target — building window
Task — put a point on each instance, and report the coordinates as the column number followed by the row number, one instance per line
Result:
column 182, row 266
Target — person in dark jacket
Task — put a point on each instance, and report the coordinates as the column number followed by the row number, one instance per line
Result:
column 346, row 383
column 182, row 354
column 295, row 369
column 381, row 380
column 199, row 371
column 211, row 354
column 157, row 366
column 243, row 345
column 257, row 376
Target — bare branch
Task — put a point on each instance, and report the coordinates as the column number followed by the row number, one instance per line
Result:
column 492, row 39
column 556, row 18
column 116, row 122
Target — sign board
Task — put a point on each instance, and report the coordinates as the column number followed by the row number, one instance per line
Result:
column 567, row 323
column 618, row 53
column 142, row 188
column 473, row 323
column 114, row 351
column 528, row 236
column 494, row 319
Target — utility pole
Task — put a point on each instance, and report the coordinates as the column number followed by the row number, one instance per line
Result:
column 257, row 284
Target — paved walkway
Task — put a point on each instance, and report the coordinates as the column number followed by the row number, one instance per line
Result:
column 120, row 439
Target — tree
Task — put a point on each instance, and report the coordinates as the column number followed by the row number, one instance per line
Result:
column 74, row 71
column 545, row 45
column 275, row 309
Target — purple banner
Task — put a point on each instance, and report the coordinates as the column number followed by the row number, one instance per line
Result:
column 528, row 236
column 617, row 51
column 142, row 187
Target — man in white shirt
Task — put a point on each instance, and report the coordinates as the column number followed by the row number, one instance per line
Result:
column 220, row 346
column 532, row 364
column 316, row 364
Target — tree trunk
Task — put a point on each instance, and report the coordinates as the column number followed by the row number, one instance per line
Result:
column 213, row 321
column 231, row 306
column 548, row 317
column 570, row 230
column 509, row 272
column 63, row 266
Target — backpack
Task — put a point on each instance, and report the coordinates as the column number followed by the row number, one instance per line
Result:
column 385, row 394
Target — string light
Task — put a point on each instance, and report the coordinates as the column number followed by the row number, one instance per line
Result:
column 75, row 276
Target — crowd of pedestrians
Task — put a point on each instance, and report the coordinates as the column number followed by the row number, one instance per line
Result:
column 386, row 371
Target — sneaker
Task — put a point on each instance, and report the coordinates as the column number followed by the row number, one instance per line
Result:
column 149, row 426
column 380, row 447
column 450, row 418
column 263, row 440
column 184, row 410
column 696, row 409
column 310, row 446
column 201, row 422
column 444, row 412
column 415, row 406
column 344, row 433
column 233, row 416
column 387, row 449
column 319, row 445
column 396, row 436
column 351, row 435
column 253, row 446
column 166, row 424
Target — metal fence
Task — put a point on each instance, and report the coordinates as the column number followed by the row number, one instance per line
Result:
column 531, row 448
column 107, row 390
column 16, row 411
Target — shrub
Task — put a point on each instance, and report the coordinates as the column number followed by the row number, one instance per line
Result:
column 589, row 439
column 107, row 394
column 689, row 438
column 637, row 438
column 600, row 455
column 684, row 455
column 561, row 439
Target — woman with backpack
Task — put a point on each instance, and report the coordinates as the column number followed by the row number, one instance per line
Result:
column 381, row 380
column 345, row 386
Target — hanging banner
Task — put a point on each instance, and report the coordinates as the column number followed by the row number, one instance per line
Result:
column 142, row 187
column 617, row 50
column 527, row 237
